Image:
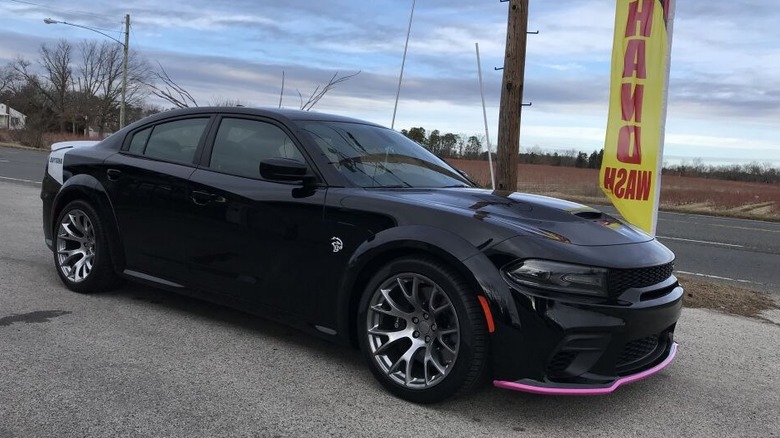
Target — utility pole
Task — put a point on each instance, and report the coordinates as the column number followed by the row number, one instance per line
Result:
column 125, row 46
column 123, row 104
column 512, row 96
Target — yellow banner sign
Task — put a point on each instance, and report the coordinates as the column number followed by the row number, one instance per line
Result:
column 633, row 151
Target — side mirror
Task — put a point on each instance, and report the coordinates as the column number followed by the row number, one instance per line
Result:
column 284, row 169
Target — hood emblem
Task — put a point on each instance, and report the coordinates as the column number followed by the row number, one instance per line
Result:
column 338, row 245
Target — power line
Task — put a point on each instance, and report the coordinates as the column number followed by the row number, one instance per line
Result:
column 133, row 39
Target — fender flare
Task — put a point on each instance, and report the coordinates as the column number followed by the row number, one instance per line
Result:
column 88, row 188
column 396, row 242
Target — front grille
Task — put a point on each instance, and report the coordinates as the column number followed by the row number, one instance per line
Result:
column 637, row 350
column 619, row 280
column 560, row 362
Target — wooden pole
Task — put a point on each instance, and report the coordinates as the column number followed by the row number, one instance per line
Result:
column 512, row 96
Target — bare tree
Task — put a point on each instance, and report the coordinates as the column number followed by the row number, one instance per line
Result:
column 169, row 90
column 166, row 88
column 321, row 91
column 24, row 91
column 224, row 101
column 8, row 78
column 53, row 81
column 100, row 82
column 56, row 65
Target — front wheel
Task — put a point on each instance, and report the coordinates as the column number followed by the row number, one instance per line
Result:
column 81, row 252
column 422, row 331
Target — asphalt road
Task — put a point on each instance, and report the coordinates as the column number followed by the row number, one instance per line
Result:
column 143, row 362
column 22, row 165
column 733, row 251
column 743, row 252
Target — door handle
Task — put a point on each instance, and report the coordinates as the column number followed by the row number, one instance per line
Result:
column 202, row 198
column 113, row 174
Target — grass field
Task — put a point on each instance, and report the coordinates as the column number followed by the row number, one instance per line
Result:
column 678, row 193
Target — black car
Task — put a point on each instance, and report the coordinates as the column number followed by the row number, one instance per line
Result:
column 353, row 232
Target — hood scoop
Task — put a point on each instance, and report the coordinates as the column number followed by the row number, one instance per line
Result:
column 591, row 215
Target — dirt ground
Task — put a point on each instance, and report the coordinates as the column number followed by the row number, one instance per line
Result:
column 747, row 200
column 726, row 298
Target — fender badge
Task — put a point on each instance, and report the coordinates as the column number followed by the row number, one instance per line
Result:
column 338, row 245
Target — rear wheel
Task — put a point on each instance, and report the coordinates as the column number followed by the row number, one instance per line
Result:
column 421, row 330
column 81, row 252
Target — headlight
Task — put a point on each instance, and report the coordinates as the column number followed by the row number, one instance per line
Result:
column 561, row 277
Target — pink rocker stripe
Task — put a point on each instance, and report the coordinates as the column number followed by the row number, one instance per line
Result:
column 589, row 391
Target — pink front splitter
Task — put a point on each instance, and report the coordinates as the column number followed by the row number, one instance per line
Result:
column 589, row 391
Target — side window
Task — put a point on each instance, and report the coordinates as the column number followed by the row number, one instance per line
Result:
column 241, row 144
column 138, row 143
column 175, row 141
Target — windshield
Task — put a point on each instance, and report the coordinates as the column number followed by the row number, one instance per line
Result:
column 370, row 156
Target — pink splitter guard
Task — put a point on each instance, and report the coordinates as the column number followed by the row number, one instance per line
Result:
column 589, row 391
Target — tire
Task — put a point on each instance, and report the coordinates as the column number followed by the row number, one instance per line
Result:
column 81, row 251
column 422, row 331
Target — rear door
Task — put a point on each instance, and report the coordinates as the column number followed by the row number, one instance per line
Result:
column 255, row 240
column 147, row 184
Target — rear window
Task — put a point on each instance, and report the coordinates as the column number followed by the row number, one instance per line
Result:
column 174, row 141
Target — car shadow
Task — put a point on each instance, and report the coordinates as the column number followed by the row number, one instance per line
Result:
column 134, row 294
column 524, row 412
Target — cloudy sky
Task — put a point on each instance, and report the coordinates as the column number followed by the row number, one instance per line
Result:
column 724, row 100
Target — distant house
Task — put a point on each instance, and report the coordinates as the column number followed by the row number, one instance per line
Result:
column 11, row 118
column 95, row 133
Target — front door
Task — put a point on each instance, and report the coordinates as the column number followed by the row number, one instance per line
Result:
column 255, row 240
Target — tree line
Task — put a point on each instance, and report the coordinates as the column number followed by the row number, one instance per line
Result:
column 77, row 88
column 751, row 172
column 451, row 145
column 447, row 145
column 70, row 88
column 470, row 147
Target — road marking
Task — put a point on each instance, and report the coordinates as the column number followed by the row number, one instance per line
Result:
column 717, row 277
column 19, row 180
column 3, row 161
column 702, row 241
column 736, row 227
column 746, row 228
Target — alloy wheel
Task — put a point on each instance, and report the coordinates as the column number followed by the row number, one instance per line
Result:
column 413, row 331
column 75, row 246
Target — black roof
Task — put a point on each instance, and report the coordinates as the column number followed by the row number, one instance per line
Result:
column 289, row 114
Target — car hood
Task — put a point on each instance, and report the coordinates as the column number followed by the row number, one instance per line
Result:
column 530, row 215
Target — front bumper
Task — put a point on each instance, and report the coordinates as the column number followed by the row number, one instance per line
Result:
column 566, row 347
column 551, row 388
